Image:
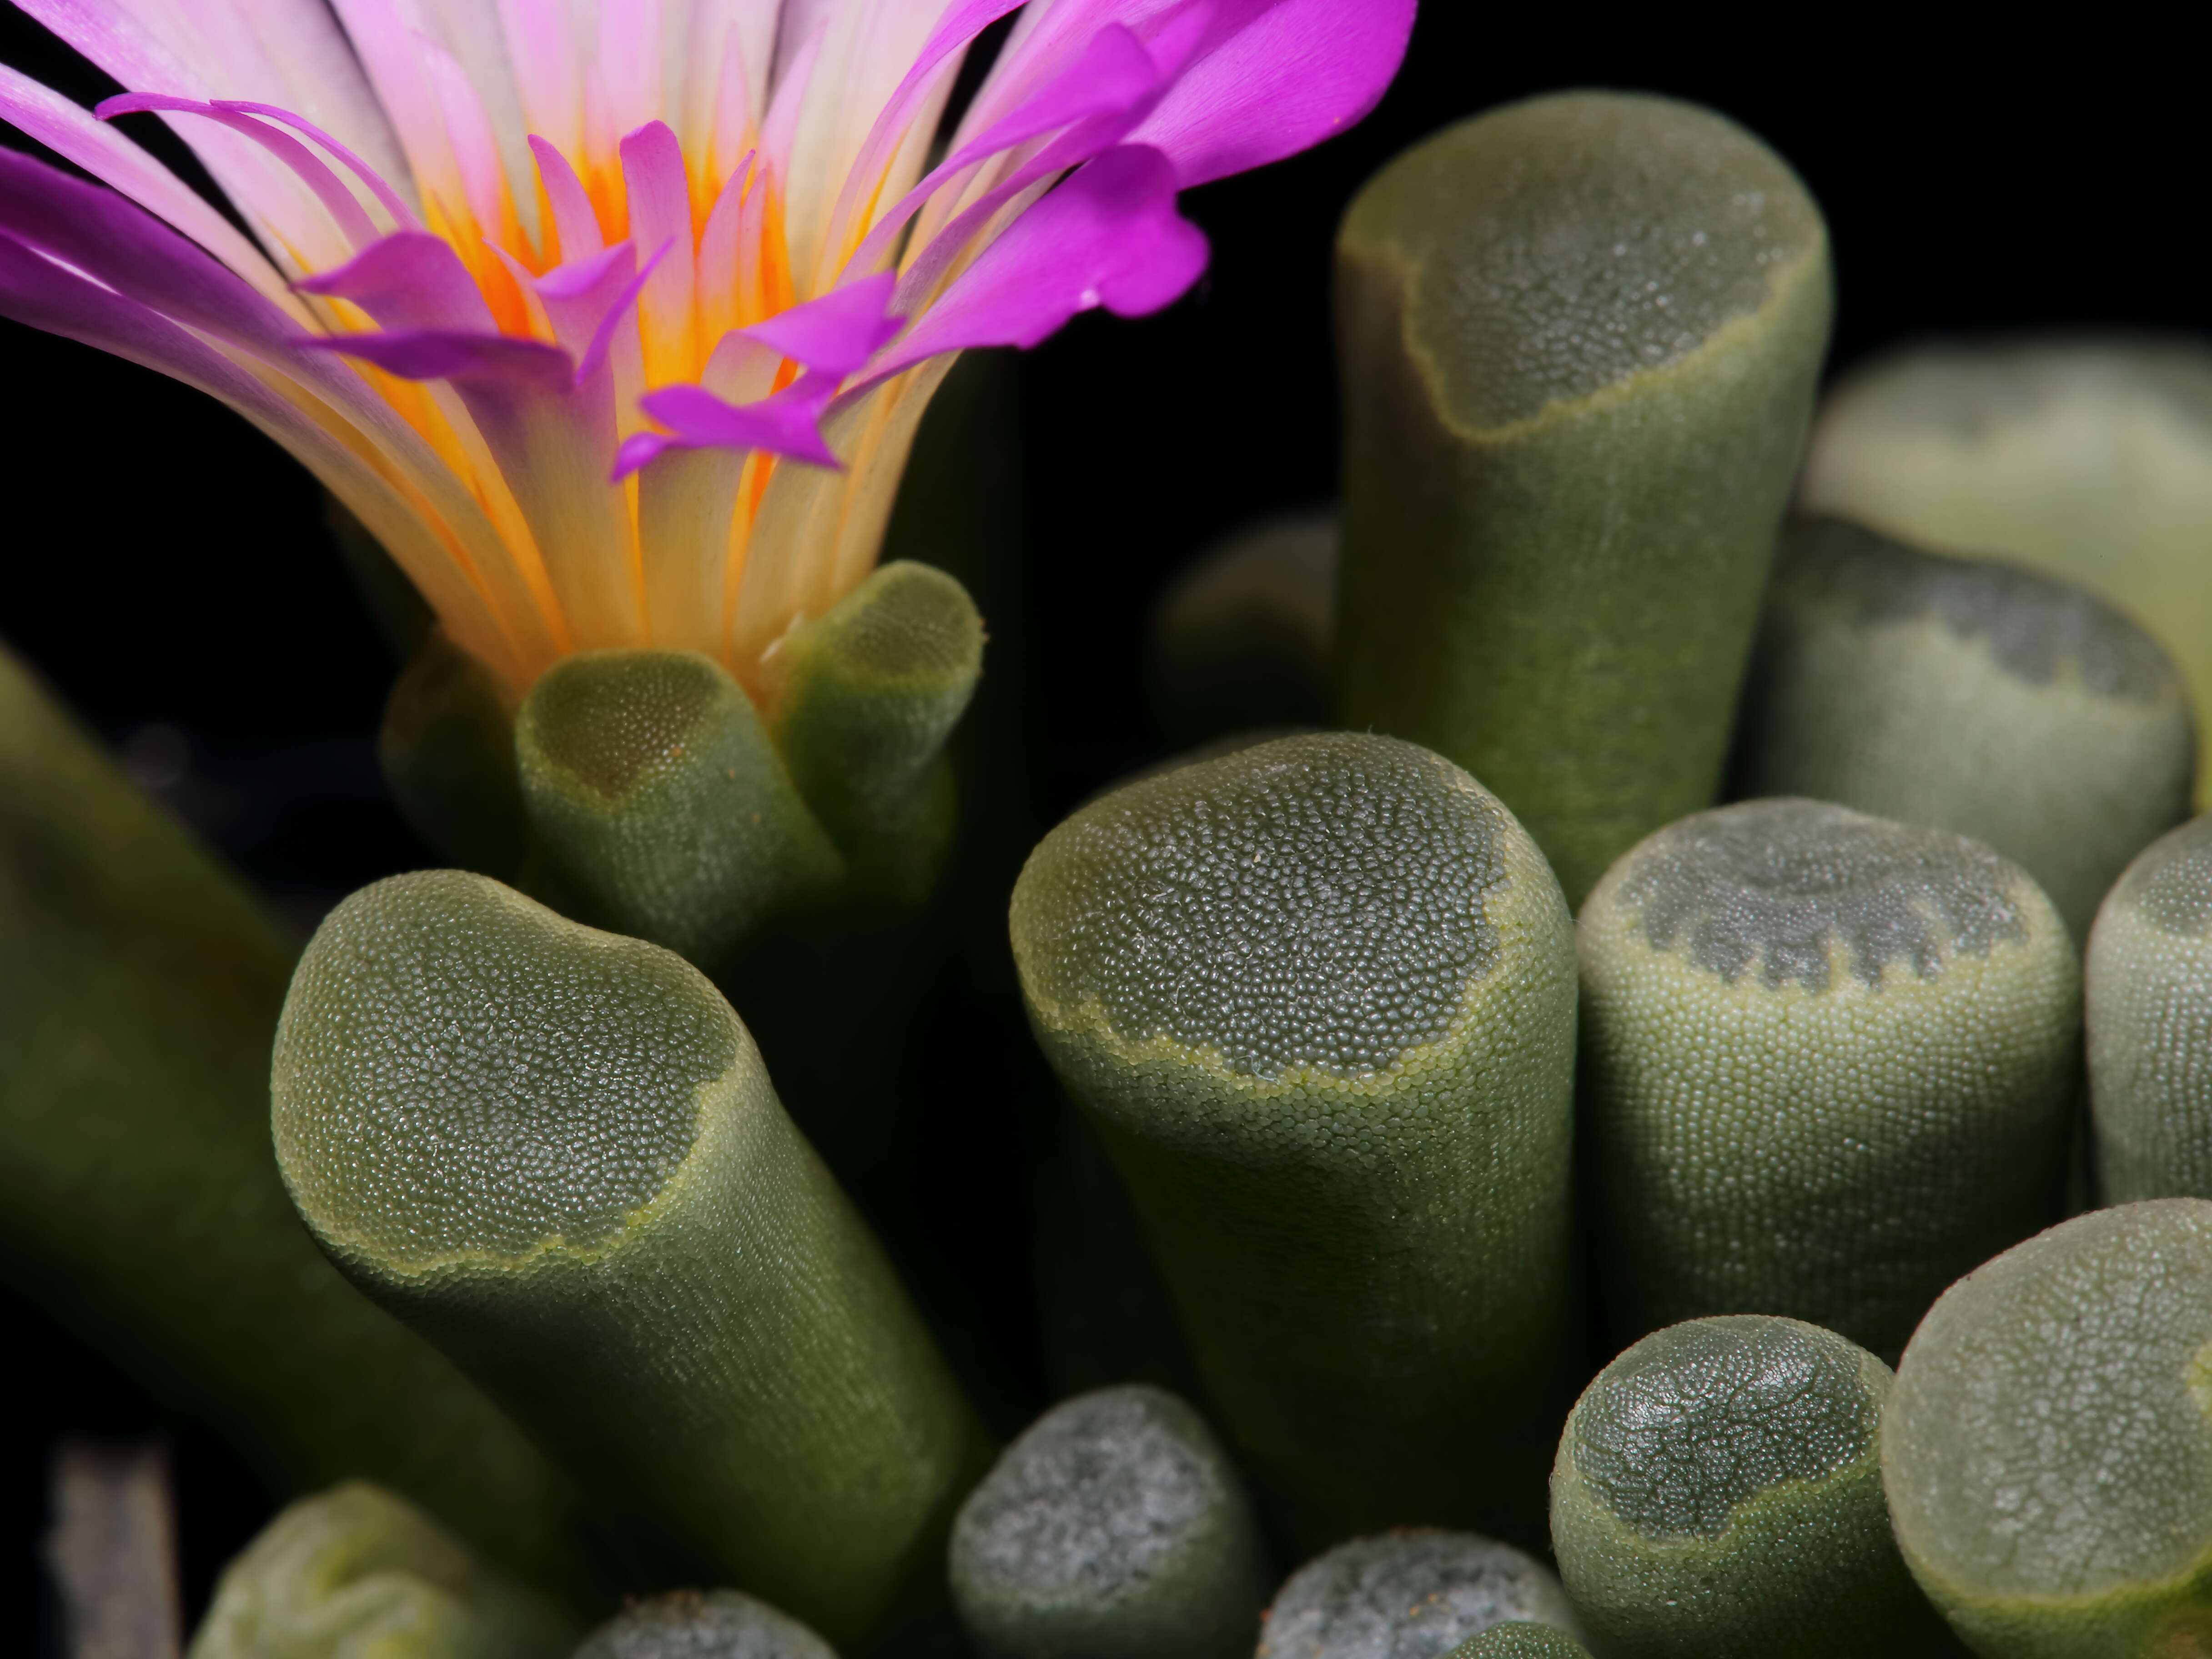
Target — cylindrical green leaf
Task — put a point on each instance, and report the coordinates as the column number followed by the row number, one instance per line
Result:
column 139, row 1204
column 2087, row 455
column 1969, row 695
column 658, row 807
column 1243, row 639
column 447, row 749
column 711, row 1624
column 358, row 1572
column 2149, row 997
column 555, row 1152
column 1115, row 1528
column 1828, row 1064
column 1579, row 338
column 1718, row 1496
column 2047, row 1449
column 1318, row 999
column 867, row 695
column 1416, row 1590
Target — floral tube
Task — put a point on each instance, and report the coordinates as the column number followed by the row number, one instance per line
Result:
column 613, row 320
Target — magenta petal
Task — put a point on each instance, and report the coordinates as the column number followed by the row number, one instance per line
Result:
column 1279, row 76
column 36, row 291
column 580, row 296
column 838, row 333
column 789, row 423
column 1110, row 88
column 956, row 31
column 125, row 247
column 402, row 215
column 335, row 199
column 1109, row 236
column 587, row 300
column 575, row 222
column 639, row 449
column 441, row 354
column 602, row 336
column 410, row 280
column 577, row 278
column 1114, row 75
column 660, row 213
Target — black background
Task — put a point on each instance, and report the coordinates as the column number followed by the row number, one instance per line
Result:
column 163, row 564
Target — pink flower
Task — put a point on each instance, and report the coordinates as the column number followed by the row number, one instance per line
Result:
column 613, row 320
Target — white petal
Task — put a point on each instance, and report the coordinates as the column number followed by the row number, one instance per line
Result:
column 869, row 46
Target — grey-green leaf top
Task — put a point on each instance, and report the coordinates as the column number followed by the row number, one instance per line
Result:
column 422, row 1140
column 2048, row 1447
column 1322, row 907
column 1718, row 1496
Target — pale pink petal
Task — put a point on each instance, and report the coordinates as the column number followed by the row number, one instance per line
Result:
column 731, row 127
column 353, row 222
column 385, row 34
column 620, row 315
column 759, row 290
column 403, row 215
column 866, row 51
column 76, row 136
column 576, row 222
column 916, row 96
column 469, row 31
column 270, row 197
column 626, row 62
column 718, row 284
column 1110, row 88
column 956, row 32
column 660, row 215
column 279, row 52
column 548, row 79
column 720, row 112
column 753, row 26
column 797, row 23
column 475, row 145
column 780, row 127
